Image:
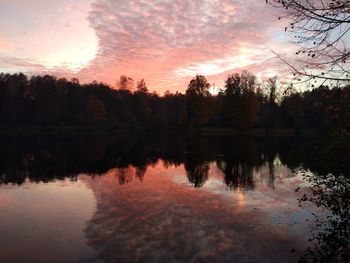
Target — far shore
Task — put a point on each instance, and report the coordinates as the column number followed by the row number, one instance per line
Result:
column 60, row 130
column 258, row 132
column 203, row 131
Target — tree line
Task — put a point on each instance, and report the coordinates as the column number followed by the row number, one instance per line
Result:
column 243, row 103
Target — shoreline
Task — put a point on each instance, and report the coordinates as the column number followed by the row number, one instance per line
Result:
column 259, row 132
column 204, row 131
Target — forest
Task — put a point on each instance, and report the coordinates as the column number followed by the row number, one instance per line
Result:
column 243, row 103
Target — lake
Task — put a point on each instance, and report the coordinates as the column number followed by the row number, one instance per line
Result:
column 166, row 199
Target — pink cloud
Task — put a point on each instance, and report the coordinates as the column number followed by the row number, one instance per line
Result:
column 168, row 42
column 6, row 46
column 165, row 42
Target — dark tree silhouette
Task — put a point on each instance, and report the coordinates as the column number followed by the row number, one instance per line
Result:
column 240, row 100
column 125, row 83
column 45, row 101
column 293, row 107
column 95, row 110
column 198, row 99
column 142, row 86
column 272, row 91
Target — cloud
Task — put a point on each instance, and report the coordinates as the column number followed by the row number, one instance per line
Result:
column 53, row 34
column 20, row 64
column 167, row 42
column 33, row 67
column 5, row 46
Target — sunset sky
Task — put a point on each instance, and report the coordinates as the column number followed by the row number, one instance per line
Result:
column 166, row 42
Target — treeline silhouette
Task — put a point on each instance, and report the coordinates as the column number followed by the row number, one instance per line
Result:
column 46, row 101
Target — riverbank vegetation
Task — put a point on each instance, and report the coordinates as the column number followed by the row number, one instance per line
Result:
column 243, row 103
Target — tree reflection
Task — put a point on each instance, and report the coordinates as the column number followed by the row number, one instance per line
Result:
column 199, row 153
column 239, row 159
column 140, row 172
column 197, row 174
column 330, row 191
column 331, row 237
column 124, row 175
column 50, row 158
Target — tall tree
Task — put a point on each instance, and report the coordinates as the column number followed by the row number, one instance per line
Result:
column 198, row 99
column 240, row 101
column 272, row 90
column 141, row 103
column 232, row 93
column 293, row 107
column 141, row 86
column 125, row 83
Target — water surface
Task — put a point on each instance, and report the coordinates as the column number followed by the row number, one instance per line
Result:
column 166, row 200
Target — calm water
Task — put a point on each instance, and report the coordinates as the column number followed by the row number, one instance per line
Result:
column 169, row 200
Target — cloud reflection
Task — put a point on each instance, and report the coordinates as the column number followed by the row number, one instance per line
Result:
column 160, row 220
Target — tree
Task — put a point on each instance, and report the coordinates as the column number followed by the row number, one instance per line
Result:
column 338, row 109
column 198, row 99
column 240, row 101
column 142, row 86
column 344, row 110
column 95, row 110
column 199, row 86
column 272, row 95
column 47, row 99
column 17, row 84
column 232, row 94
column 249, row 114
column 141, row 103
column 322, row 30
column 293, row 107
column 125, row 83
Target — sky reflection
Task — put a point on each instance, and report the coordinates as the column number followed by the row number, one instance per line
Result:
column 159, row 201
column 164, row 219
column 43, row 222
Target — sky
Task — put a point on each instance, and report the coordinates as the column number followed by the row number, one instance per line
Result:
column 165, row 42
